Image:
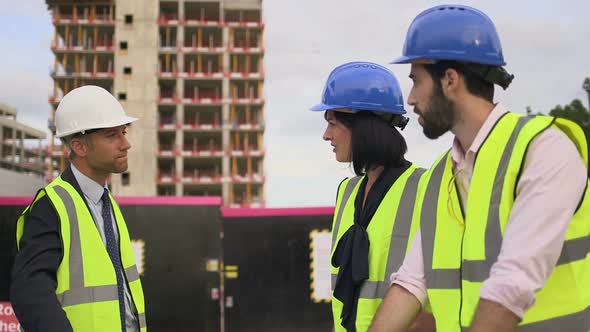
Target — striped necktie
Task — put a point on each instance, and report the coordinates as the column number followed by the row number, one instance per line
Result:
column 113, row 250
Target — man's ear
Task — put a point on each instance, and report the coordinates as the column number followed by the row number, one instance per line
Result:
column 79, row 146
column 451, row 82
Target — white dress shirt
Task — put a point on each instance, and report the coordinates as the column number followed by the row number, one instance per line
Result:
column 92, row 194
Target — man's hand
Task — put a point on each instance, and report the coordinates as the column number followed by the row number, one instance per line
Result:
column 493, row 317
column 397, row 311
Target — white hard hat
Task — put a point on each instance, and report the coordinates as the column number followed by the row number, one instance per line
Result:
column 88, row 107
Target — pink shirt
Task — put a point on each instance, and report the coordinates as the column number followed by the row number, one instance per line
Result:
column 549, row 190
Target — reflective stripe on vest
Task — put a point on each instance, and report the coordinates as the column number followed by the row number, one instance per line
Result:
column 142, row 321
column 71, row 291
column 577, row 322
column 397, row 248
column 78, row 294
column 388, row 233
column 435, row 278
column 350, row 184
column 478, row 271
column 474, row 272
column 347, row 192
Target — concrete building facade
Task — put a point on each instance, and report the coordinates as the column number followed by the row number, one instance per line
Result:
column 21, row 148
column 192, row 71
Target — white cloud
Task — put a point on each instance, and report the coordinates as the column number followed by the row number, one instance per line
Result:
column 25, row 61
column 27, row 93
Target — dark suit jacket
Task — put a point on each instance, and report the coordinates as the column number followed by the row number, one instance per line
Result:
column 34, row 274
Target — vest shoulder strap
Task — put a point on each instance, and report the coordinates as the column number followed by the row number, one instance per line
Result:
column 576, row 134
column 341, row 201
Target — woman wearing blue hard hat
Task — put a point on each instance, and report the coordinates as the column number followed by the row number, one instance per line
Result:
column 362, row 103
column 503, row 213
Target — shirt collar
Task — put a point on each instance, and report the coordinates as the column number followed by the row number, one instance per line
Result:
column 457, row 153
column 89, row 187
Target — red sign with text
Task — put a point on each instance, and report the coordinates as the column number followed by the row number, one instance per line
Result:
column 8, row 322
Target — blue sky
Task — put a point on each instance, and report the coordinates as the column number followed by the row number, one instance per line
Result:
column 546, row 45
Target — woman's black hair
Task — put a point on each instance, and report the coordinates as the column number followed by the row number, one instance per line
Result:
column 373, row 141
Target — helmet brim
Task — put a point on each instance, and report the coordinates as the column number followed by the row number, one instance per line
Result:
column 442, row 57
column 399, row 110
column 412, row 59
column 325, row 107
column 401, row 59
column 120, row 122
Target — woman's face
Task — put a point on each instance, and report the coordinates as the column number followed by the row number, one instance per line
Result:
column 340, row 138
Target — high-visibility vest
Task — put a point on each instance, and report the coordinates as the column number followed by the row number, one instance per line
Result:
column 459, row 251
column 86, row 279
column 389, row 232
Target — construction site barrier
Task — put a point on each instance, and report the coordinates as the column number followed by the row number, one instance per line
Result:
column 207, row 268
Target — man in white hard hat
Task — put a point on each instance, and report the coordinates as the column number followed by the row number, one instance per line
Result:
column 75, row 269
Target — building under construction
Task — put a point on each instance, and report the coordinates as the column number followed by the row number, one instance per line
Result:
column 191, row 71
column 21, row 147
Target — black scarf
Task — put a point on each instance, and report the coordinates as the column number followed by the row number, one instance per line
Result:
column 352, row 251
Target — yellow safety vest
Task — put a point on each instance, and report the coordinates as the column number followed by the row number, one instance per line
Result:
column 389, row 232
column 459, row 251
column 86, row 279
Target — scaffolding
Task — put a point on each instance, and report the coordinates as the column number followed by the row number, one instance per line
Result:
column 209, row 99
column 83, row 46
column 21, row 148
column 211, row 104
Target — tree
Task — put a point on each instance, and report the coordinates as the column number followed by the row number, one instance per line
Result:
column 577, row 113
column 529, row 112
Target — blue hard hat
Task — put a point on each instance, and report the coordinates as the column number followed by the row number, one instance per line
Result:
column 362, row 86
column 455, row 33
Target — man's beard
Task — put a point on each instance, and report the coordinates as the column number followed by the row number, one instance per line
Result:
column 440, row 115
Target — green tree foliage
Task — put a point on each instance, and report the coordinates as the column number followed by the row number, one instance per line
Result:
column 577, row 113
